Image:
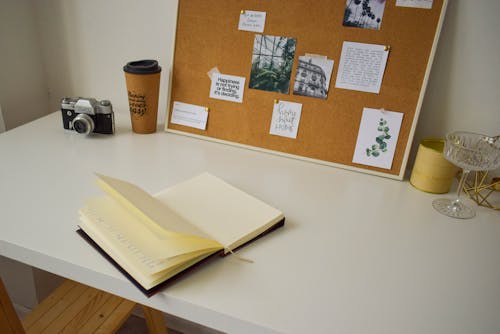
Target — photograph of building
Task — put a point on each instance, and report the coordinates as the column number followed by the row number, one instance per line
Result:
column 313, row 77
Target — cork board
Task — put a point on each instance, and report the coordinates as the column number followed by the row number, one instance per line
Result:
column 207, row 36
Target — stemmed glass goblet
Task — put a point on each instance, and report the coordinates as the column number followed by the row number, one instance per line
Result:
column 471, row 152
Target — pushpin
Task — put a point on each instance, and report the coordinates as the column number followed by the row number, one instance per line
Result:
column 387, row 48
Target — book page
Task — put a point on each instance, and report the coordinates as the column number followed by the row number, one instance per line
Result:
column 145, row 270
column 227, row 214
column 151, row 246
column 146, row 206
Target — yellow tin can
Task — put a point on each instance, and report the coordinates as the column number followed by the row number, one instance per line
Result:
column 432, row 172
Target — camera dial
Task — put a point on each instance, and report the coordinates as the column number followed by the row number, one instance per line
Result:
column 83, row 124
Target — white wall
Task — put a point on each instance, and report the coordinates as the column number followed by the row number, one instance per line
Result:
column 23, row 89
column 23, row 97
column 464, row 86
column 86, row 44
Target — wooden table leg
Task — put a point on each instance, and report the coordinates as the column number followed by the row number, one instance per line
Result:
column 155, row 320
column 9, row 322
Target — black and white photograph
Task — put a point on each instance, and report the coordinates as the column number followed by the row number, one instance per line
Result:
column 272, row 63
column 313, row 77
column 364, row 13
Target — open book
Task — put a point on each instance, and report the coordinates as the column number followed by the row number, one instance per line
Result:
column 153, row 238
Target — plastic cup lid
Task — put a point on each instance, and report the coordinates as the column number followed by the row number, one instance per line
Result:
column 146, row 66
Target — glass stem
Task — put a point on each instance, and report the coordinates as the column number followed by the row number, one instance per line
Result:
column 465, row 173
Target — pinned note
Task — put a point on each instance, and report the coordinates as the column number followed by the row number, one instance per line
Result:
column 252, row 21
column 189, row 115
column 286, row 118
column 227, row 87
column 362, row 66
column 377, row 137
column 426, row 4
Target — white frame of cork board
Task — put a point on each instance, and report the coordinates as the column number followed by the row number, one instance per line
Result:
column 395, row 174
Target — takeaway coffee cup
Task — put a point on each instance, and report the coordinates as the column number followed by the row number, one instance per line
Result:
column 143, row 87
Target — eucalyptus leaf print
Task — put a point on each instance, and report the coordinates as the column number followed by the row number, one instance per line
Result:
column 381, row 145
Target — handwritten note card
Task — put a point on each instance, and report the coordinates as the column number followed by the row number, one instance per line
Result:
column 286, row 118
column 362, row 67
column 377, row 138
column 427, row 4
column 189, row 115
column 252, row 21
column 227, row 87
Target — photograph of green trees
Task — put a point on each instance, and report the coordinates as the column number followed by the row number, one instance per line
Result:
column 272, row 63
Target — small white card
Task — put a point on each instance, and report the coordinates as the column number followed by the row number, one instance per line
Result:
column 252, row 21
column 427, row 4
column 362, row 67
column 377, row 138
column 189, row 115
column 227, row 87
column 286, row 118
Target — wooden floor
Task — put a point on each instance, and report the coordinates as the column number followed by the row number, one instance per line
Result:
column 76, row 307
column 133, row 325
column 137, row 325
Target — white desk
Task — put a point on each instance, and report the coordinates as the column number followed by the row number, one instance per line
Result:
column 359, row 253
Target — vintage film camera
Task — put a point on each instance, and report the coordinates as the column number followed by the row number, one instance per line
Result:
column 87, row 115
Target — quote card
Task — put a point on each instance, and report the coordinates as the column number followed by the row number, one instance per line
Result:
column 377, row 138
column 362, row 67
column 286, row 118
column 251, row 20
column 189, row 115
column 427, row 4
column 227, row 87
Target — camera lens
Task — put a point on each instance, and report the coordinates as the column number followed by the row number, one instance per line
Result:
column 80, row 127
column 83, row 124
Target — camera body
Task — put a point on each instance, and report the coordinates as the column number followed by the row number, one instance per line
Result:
column 87, row 115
